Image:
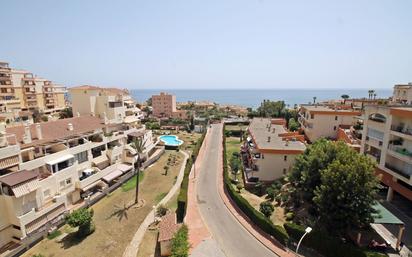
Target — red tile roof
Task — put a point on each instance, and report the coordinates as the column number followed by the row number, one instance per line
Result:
column 168, row 227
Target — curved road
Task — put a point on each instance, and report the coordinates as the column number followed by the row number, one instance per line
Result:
column 231, row 236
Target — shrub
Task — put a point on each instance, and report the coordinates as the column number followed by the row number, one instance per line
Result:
column 239, row 187
column 82, row 218
column 271, row 193
column 180, row 243
column 289, row 216
column 161, row 210
column 266, row 208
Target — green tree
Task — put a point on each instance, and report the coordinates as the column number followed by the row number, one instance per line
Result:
column 149, row 102
column 139, row 145
column 345, row 97
column 180, row 243
column 337, row 183
column 66, row 113
column 346, row 194
column 82, row 218
column 166, row 169
column 293, row 124
column 271, row 108
column 266, row 208
column 239, row 187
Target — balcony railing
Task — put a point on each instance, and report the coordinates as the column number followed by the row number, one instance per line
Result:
column 398, row 171
column 402, row 129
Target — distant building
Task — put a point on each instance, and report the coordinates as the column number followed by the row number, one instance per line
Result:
column 324, row 121
column 164, row 106
column 270, row 151
column 402, row 93
column 114, row 105
column 20, row 91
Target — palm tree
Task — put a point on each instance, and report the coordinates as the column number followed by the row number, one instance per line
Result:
column 371, row 92
column 139, row 145
column 345, row 97
column 314, row 99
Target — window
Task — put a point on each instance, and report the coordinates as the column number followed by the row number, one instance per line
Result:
column 46, row 193
column 285, row 158
column 312, row 116
column 65, row 164
column 284, row 171
column 375, row 134
column 68, row 181
column 336, row 117
column 81, row 157
column 334, row 127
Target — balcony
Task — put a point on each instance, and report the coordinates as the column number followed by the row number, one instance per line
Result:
column 400, row 153
column 402, row 131
column 36, row 213
column 375, row 142
column 403, row 173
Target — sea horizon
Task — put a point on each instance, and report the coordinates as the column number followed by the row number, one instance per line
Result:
column 253, row 97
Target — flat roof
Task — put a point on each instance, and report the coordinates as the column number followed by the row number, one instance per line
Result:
column 260, row 132
column 323, row 108
column 384, row 216
column 60, row 159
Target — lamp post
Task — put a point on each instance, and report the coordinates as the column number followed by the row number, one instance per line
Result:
column 307, row 231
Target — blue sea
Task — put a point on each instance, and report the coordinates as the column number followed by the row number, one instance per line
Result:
column 253, row 98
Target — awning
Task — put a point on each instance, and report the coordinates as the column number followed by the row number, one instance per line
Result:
column 8, row 162
column 113, row 175
column 60, row 159
column 131, row 119
column 384, row 216
column 37, row 223
column 25, row 188
column 124, row 167
column 90, row 186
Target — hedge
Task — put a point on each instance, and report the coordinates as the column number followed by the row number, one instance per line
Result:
column 327, row 245
column 182, row 197
column 258, row 218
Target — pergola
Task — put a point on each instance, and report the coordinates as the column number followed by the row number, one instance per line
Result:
column 386, row 217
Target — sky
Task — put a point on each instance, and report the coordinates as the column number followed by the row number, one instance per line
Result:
column 211, row 44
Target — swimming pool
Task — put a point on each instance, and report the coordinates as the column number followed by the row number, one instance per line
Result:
column 171, row 140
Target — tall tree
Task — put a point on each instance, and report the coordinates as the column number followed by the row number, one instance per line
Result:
column 345, row 97
column 293, row 125
column 139, row 145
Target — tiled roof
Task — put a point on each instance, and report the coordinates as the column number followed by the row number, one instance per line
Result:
column 53, row 130
column 168, row 227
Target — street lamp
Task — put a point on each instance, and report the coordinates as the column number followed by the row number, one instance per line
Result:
column 307, row 231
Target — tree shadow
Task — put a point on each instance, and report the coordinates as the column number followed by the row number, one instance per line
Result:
column 72, row 239
column 120, row 212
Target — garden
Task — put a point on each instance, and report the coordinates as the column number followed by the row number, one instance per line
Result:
column 114, row 219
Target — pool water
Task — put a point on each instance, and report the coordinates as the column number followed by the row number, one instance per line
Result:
column 171, row 140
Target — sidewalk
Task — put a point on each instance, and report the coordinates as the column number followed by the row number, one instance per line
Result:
column 133, row 247
column 198, row 231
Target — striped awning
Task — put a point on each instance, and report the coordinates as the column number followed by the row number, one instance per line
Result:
column 113, row 175
column 37, row 223
column 9, row 161
column 25, row 188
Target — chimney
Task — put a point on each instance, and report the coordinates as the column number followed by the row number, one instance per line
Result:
column 70, row 127
column 27, row 135
column 38, row 131
column 268, row 139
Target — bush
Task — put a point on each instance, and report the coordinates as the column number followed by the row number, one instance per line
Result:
column 266, row 208
column 182, row 197
column 161, row 210
column 180, row 243
column 289, row 216
column 270, row 191
column 239, row 187
column 82, row 218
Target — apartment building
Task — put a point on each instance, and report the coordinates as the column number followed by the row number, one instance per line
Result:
column 270, row 150
column 402, row 93
column 112, row 104
column 20, row 90
column 388, row 140
column 48, row 168
column 164, row 106
column 324, row 121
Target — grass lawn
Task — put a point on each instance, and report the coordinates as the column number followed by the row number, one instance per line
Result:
column 236, row 127
column 115, row 222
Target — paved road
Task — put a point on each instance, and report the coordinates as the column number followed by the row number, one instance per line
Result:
column 232, row 238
